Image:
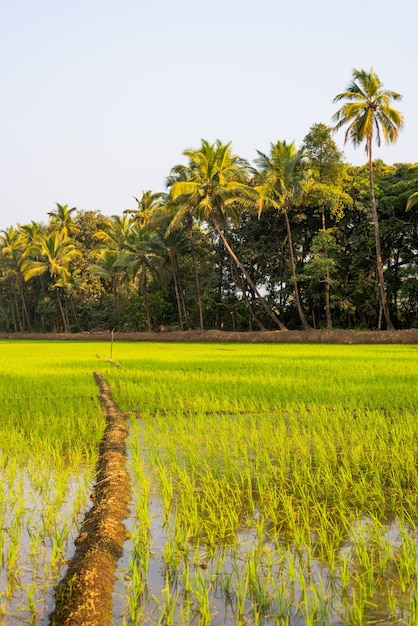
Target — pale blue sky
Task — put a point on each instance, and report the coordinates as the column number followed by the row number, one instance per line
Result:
column 100, row 98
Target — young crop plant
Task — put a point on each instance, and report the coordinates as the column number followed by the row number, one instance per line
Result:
column 50, row 428
column 283, row 480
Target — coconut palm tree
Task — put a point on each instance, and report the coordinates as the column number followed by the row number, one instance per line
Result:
column 115, row 234
column 368, row 114
column 139, row 257
column 62, row 220
column 108, row 268
column 148, row 204
column 180, row 173
column 413, row 199
column 56, row 254
column 280, row 182
column 14, row 250
column 215, row 191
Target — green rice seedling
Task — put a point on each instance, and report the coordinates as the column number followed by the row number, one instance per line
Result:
column 168, row 606
column 201, row 592
column 277, row 443
column 313, row 602
column 51, row 424
column 406, row 560
column 295, row 444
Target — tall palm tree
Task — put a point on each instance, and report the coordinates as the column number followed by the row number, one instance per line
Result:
column 115, row 234
column 148, row 203
column 368, row 114
column 215, row 191
column 180, row 173
column 413, row 199
column 281, row 180
column 108, row 268
column 56, row 254
column 139, row 255
column 14, row 251
column 62, row 220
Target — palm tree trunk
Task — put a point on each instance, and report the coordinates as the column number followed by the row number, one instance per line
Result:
column 302, row 317
column 380, row 277
column 12, row 310
column 171, row 255
column 115, row 288
column 247, row 276
column 145, row 296
column 24, row 305
column 17, row 309
column 326, row 281
column 327, row 302
column 240, row 284
column 181, row 291
column 189, row 221
column 64, row 319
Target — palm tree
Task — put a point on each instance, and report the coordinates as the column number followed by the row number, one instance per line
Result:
column 56, row 254
column 148, row 203
column 368, row 113
column 62, row 220
column 14, row 251
column 107, row 267
column 281, row 181
column 172, row 245
column 138, row 257
column 215, row 191
column 413, row 199
column 115, row 234
column 180, row 173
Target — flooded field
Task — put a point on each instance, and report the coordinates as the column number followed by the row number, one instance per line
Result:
column 271, row 484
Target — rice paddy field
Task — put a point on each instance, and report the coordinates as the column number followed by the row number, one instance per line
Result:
column 272, row 484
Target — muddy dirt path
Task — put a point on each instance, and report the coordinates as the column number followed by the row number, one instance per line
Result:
column 84, row 595
column 409, row 336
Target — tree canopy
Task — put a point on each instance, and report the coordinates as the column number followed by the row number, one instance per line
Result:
column 291, row 241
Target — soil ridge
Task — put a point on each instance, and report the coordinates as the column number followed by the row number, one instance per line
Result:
column 84, row 595
column 406, row 336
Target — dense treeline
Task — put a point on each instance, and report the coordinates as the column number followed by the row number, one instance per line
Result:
column 286, row 243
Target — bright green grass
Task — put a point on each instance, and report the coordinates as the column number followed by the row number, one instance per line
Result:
column 245, row 377
column 272, row 483
column 290, row 472
column 51, row 424
column 48, row 401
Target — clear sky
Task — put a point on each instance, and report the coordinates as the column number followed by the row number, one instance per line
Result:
column 100, row 98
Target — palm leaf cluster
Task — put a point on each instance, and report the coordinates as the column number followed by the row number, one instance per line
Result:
column 291, row 241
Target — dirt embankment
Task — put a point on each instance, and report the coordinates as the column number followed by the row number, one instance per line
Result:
column 409, row 336
column 84, row 595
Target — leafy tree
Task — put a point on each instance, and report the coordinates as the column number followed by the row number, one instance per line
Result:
column 216, row 189
column 328, row 172
column 413, row 198
column 322, row 264
column 368, row 113
column 327, row 196
column 179, row 173
column 398, row 229
column 56, row 254
column 62, row 220
column 108, row 268
column 281, row 181
column 14, row 251
column 140, row 251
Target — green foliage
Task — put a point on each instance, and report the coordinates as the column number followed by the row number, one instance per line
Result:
column 272, row 480
column 228, row 246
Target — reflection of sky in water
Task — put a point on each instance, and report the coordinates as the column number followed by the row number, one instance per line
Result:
column 288, row 568
column 40, row 518
column 296, row 581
